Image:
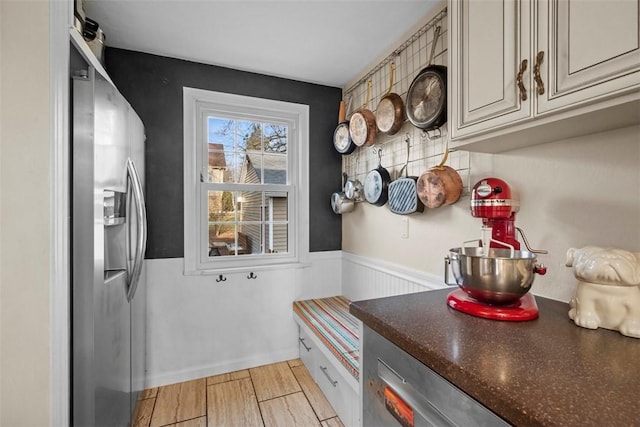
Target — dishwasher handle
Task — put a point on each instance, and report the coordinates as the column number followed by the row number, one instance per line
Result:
column 411, row 396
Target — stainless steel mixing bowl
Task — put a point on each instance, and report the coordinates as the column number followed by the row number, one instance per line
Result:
column 495, row 278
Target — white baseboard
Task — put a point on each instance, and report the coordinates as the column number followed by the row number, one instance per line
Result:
column 222, row 368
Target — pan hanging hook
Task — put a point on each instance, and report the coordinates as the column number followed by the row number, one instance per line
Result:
column 445, row 156
column 355, row 170
column 436, row 35
column 405, row 168
column 349, row 99
column 437, row 134
column 378, row 151
column 392, row 76
column 369, row 85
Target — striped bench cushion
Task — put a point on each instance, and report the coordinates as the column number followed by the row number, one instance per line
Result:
column 330, row 320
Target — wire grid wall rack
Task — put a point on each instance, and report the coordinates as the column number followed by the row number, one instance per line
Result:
column 426, row 148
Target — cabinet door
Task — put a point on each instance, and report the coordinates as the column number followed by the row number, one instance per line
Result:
column 591, row 50
column 490, row 40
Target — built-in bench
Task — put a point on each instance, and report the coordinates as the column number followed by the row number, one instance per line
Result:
column 329, row 319
column 330, row 349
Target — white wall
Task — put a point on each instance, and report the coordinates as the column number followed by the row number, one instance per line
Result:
column 577, row 192
column 199, row 327
column 573, row 193
column 25, row 228
column 1, row 216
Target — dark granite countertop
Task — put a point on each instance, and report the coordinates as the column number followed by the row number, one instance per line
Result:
column 542, row 372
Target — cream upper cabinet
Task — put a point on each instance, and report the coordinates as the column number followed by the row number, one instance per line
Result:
column 490, row 44
column 523, row 72
column 589, row 49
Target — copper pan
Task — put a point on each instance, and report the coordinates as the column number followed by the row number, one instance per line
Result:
column 440, row 186
column 390, row 113
column 362, row 124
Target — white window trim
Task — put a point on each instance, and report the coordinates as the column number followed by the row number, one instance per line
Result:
column 60, row 20
column 299, row 158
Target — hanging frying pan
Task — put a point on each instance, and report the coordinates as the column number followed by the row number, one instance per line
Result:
column 376, row 184
column 426, row 104
column 390, row 111
column 342, row 141
column 403, row 195
column 440, row 186
column 362, row 125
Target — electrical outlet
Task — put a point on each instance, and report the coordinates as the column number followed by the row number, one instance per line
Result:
column 404, row 230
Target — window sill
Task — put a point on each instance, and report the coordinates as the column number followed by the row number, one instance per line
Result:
column 245, row 269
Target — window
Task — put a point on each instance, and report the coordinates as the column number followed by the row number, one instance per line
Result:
column 244, row 203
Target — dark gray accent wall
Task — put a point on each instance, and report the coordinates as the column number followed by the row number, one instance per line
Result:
column 153, row 86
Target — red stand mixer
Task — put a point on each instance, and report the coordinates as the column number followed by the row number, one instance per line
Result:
column 494, row 277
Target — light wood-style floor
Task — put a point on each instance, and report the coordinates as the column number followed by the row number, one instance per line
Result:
column 279, row 395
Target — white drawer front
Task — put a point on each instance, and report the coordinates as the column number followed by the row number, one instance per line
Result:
column 308, row 351
column 343, row 399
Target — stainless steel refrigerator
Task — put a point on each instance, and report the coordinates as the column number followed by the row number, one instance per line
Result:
column 109, row 241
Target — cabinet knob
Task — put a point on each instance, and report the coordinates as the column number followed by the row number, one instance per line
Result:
column 523, row 91
column 536, row 72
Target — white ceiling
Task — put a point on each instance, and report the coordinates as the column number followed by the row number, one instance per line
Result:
column 317, row 41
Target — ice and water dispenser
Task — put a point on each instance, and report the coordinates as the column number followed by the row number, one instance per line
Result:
column 115, row 223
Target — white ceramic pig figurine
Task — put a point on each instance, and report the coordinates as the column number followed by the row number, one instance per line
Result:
column 608, row 294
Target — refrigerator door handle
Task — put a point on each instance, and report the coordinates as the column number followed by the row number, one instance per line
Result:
column 141, row 234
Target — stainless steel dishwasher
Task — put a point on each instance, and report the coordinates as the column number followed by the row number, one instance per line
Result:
column 398, row 390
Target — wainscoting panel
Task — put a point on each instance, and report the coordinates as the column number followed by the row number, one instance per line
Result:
column 367, row 278
column 198, row 326
column 201, row 325
column 321, row 277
